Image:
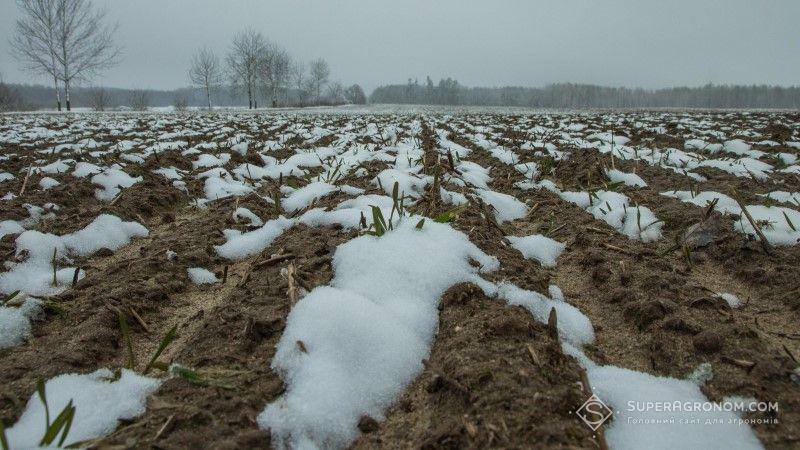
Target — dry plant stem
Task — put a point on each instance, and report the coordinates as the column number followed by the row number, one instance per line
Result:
column 587, row 391
column 764, row 242
column 25, row 181
column 552, row 324
column 75, row 276
column 552, row 329
column 291, row 274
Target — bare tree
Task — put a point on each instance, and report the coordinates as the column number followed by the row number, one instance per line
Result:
column 205, row 72
column 99, row 99
column 244, row 59
column 319, row 73
column 34, row 41
column 297, row 74
column 274, row 70
column 84, row 44
column 10, row 98
column 180, row 101
column 139, row 100
column 336, row 93
column 355, row 95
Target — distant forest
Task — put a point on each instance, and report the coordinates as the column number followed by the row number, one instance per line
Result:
column 569, row 95
column 446, row 92
column 18, row 97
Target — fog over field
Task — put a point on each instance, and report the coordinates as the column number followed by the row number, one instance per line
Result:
column 649, row 44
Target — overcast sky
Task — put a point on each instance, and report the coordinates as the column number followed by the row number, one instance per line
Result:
column 645, row 43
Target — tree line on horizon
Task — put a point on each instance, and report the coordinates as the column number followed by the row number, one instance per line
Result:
column 573, row 95
column 28, row 97
column 564, row 95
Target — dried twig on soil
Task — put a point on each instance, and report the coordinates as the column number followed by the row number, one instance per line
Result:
column 616, row 249
column 534, row 356
column 138, row 319
column 599, row 230
column 164, row 427
column 739, row 362
column 272, row 260
column 115, row 199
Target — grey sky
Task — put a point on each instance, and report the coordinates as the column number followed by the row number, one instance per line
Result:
column 644, row 43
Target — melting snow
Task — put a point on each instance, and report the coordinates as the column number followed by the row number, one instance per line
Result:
column 365, row 335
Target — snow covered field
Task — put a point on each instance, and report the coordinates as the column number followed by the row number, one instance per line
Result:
column 399, row 277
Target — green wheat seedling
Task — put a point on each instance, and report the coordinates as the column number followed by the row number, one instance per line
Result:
column 168, row 339
column 193, row 377
column 788, row 221
column 639, row 218
column 615, row 186
column 397, row 203
column 61, row 425
column 378, row 227
column 776, row 162
column 276, row 198
column 126, row 339
column 9, row 297
column 451, row 214
column 331, row 177
column 710, row 206
column 592, row 194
